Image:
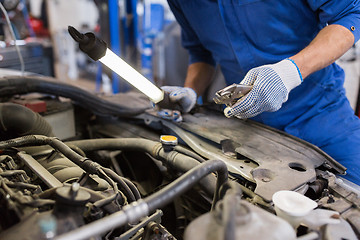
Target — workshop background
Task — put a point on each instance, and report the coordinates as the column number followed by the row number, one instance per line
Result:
column 107, row 166
column 143, row 32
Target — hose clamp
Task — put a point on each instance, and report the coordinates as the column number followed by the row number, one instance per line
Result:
column 156, row 149
column 136, row 210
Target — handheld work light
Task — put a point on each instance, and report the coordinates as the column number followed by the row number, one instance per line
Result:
column 97, row 49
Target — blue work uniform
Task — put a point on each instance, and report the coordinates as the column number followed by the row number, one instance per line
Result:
column 242, row 34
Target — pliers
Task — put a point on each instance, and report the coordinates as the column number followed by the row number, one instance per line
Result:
column 231, row 94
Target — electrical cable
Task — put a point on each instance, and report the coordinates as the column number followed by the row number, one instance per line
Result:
column 22, row 200
column 13, row 36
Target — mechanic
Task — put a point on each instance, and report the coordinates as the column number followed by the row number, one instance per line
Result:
column 286, row 51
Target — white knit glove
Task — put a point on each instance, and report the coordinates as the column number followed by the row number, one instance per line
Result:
column 271, row 86
column 183, row 98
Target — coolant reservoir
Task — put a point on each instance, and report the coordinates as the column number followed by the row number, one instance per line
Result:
column 292, row 206
column 246, row 222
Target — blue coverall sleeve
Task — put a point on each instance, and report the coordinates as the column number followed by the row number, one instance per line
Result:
column 190, row 41
column 341, row 12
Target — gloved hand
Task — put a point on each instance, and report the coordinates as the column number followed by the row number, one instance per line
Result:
column 271, row 86
column 183, row 98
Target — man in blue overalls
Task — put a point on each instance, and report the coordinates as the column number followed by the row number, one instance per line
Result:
column 286, row 50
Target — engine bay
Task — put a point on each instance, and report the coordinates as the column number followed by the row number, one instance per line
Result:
column 107, row 167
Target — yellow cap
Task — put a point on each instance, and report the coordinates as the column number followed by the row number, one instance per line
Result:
column 168, row 139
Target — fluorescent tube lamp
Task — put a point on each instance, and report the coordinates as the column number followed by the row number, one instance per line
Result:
column 97, row 50
column 124, row 70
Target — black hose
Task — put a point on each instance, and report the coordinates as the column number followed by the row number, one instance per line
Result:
column 189, row 153
column 142, row 208
column 17, row 120
column 83, row 162
column 111, row 198
column 178, row 161
column 27, row 84
column 123, row 186
column 128, row 144
column 36, row 140
column 132, row 187
column 228, row 212
column 230, row 187
column 77, row 150
column 230, row 194
column 186, row 181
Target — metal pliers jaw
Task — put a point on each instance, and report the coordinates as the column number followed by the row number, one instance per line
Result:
column 231, row 94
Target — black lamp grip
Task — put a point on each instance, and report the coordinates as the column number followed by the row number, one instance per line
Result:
column 93, row 46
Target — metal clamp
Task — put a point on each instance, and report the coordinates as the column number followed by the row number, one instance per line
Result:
column 231, row 94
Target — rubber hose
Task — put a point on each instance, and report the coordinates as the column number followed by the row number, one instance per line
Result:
column 17, row 120
column 132, row 187
column 36, row 140
column 27, row 84
column 186, row 181
column 83, row 162
column 174, row 159
column 189, row 153
column 142, row 208
column 122, row 185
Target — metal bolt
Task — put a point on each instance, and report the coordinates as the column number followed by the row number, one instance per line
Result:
column 265, row 179
column 155, row 229
column 74, row 189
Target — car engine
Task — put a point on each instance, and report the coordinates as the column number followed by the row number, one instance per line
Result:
column 75, row 165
